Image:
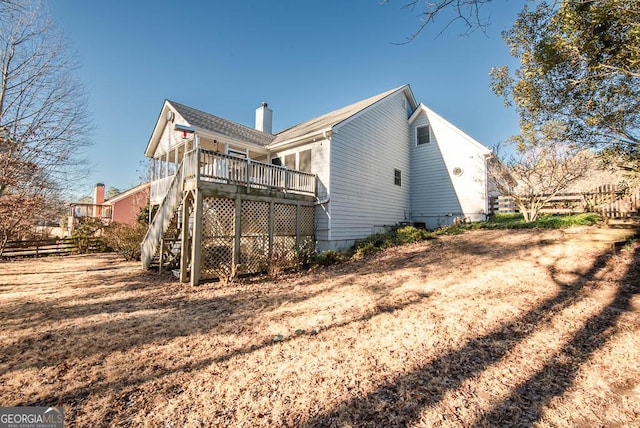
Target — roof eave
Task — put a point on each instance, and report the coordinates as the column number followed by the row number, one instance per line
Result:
column 161, row 122
column 405, row 88
column 325, row 133
column 466, row 136
column 226, row 139
column 126, row 193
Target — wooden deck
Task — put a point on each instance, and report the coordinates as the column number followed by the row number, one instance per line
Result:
column 207, row 169
column 235, row 216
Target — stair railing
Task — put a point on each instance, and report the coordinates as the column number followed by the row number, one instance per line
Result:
column 162, row 219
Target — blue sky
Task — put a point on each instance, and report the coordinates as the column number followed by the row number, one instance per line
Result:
column 304, row 58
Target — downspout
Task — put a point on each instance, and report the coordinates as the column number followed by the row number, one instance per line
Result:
column 327, row 136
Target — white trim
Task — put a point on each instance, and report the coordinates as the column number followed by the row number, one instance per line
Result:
column 226, row 139
column 407, row 91
column 152, row 145
column 430, row 113
column 126, row 193
column 394, row 177
column 431, row 136
column 416, row 113
column 325, row 133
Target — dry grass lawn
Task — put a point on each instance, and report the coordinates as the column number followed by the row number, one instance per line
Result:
column 489, row 328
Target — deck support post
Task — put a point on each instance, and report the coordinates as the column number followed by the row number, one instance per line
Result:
column 236, row 237
column 185, row 247
column 196, row 250
column 271, row 230
column 298, row 226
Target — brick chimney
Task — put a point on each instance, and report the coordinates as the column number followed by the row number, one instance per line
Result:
column 264, row 117
column 98, row 194
column 98, row 199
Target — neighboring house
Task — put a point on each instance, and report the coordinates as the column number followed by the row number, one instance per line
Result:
column 374, row 164
column 122, row 208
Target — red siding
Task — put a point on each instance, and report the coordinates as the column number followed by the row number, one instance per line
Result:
column 126, row 210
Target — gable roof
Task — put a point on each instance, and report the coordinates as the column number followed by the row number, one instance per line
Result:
column 208, row 122
column 329, row 120
column 433, row 116
column 128, row 192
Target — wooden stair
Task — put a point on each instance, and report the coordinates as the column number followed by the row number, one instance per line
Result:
column 152, row 243
column 167, row 254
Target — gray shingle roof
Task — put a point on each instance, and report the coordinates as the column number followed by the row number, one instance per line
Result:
column 209, row 122
column 330, row 119
column 206, row 121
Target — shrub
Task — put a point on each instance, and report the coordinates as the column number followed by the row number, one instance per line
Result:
column 143, row 215
column 125, row 239
column 87, row 234
column 454, row 229
column 400, row 236
column 410, row 235
column 331, row 257
column 368, row 247
column 545, row 221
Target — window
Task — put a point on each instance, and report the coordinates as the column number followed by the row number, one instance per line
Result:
column 423, row 134
column 397, row 177
column 290, row 161
column 304, row 161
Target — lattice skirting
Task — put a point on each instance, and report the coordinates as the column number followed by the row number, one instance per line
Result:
column 268, row 233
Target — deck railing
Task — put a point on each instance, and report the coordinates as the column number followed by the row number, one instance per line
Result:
column 90, row 210
column 159, row 189
column 217, row 167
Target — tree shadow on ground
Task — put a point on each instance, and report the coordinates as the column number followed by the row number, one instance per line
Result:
column 129, row 384
column 176, row 310
column 92, row 324
column 181, row 311
column 400, row 402
column 560, row 372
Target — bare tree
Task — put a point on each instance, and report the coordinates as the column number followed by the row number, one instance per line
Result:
column 43, row 110
column 467, row 12
column 538, row 170
column 44, row 123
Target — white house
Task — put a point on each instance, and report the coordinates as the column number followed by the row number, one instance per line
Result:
column 374, row 164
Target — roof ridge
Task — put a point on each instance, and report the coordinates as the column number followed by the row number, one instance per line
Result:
column 334, row 117
column 217, row 117
column 210, row 122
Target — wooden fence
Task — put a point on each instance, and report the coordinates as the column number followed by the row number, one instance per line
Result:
column 607, row 200
column 47, row 247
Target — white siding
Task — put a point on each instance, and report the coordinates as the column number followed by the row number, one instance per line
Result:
column 170, row 138
column 320, row 153
column 365, row 150
column 438, row 195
